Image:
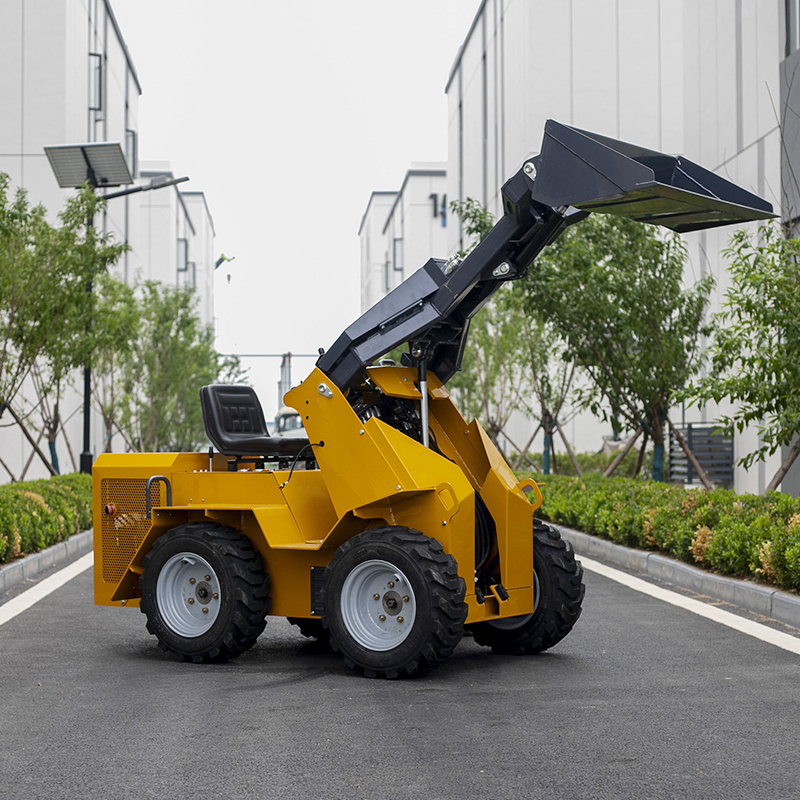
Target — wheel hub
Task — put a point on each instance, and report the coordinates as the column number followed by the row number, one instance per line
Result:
column 378, row 605
column 392, row 603
column 187, row 593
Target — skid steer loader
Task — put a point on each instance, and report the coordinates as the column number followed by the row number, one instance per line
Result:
column 396, row 524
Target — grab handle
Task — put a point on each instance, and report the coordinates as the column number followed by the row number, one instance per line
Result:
column 148, row 502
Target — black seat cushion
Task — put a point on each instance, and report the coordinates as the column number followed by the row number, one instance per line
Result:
column 235, row 424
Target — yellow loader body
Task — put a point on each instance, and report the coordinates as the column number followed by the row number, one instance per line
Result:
column 369, row 475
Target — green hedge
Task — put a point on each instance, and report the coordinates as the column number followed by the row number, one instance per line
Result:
column 742, row 535
column 37, row 514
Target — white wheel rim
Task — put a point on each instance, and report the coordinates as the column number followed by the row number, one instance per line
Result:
column 378, row 606
column 188, row 596
column 511, row 623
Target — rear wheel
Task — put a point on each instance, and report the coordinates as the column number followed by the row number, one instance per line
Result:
column 204, row 592
column 393, row 603
column 558, row 594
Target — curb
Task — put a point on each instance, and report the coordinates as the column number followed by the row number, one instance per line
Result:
column 31, row 566
column 770, row 603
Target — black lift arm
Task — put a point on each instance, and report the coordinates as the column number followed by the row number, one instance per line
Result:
column 575, row 173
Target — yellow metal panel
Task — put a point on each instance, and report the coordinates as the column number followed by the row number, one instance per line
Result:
column 402, row 382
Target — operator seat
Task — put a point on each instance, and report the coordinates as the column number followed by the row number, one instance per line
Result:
column 236, row 427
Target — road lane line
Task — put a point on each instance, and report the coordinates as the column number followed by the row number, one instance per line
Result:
column 756, row 629
column 36, row 593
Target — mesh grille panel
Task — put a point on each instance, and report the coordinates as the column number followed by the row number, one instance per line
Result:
column 124, row 530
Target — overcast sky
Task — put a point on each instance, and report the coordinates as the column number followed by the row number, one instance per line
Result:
column 287, row 115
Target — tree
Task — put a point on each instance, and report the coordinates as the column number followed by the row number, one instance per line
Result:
column 117, row 319
column 490, row 380
column 755, row 357
column 44, row 304
column 90, row 253
column 511, row 355
column 172, row 357
column 614, row 290
column 550, row 370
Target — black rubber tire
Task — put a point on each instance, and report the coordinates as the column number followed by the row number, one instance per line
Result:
column 438, row 595
column 558, row 606
column 243, row 590
column 311, row 628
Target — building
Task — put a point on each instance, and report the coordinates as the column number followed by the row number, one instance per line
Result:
column 67, row 77
column 714, row 81
column 173, row 242
column 401, row 230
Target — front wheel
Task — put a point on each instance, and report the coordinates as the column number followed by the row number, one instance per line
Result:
column 393, row 603
column 204, row 592
column 558, row 594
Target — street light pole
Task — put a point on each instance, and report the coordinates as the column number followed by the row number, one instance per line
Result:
column 100, row 164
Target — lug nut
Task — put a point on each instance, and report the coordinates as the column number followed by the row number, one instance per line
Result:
column 208, row 577
column 205, row 611
column 382, row 617
column 215, row 596
column 399, row 619
column 192, row 580
column 376, row 596
column 191, row 600
column 405, row 598
column 390, row 584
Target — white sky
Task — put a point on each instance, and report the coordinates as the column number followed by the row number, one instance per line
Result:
column 287, row 115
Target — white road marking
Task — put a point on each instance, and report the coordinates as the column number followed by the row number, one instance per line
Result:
column 756, row 629
column 24, row 601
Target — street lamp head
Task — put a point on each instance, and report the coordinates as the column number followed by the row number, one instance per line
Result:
column 99, row 163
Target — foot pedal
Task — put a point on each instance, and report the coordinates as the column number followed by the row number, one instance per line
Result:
column 499, row 591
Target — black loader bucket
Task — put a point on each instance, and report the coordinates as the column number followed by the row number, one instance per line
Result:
column 595, row 173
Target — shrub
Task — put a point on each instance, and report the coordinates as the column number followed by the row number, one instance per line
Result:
column 742, row 535
column 37, row 514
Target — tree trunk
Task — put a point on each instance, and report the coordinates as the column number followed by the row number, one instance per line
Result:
column 640, row 460
column 10, row 473
column 533, row 464
column 701, row 473
column 784, row 468
column 30, row 439
column 524, row 453
column 69, row 446
column 571, row 455
column 30, row 458
column 547, row 425
column 625, row 450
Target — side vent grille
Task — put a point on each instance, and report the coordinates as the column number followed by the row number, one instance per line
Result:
column 125, row 528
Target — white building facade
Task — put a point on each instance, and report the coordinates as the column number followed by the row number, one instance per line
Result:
column 702, row 78
column 67, row 77
column 401, row 230
column 687, row 77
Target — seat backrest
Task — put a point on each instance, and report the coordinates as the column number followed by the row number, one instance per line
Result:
column 231, row 414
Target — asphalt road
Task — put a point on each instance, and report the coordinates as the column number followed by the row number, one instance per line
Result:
column 643, row 700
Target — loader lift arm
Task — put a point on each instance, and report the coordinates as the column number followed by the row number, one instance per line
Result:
column 576, row 173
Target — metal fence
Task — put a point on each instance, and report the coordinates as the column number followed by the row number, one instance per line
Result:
column 712, row 449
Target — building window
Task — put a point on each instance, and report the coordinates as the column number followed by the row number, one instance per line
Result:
column 95, row 82
column 792, row 26
column 130, row 151
column 183, row 255
column 397, row 255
